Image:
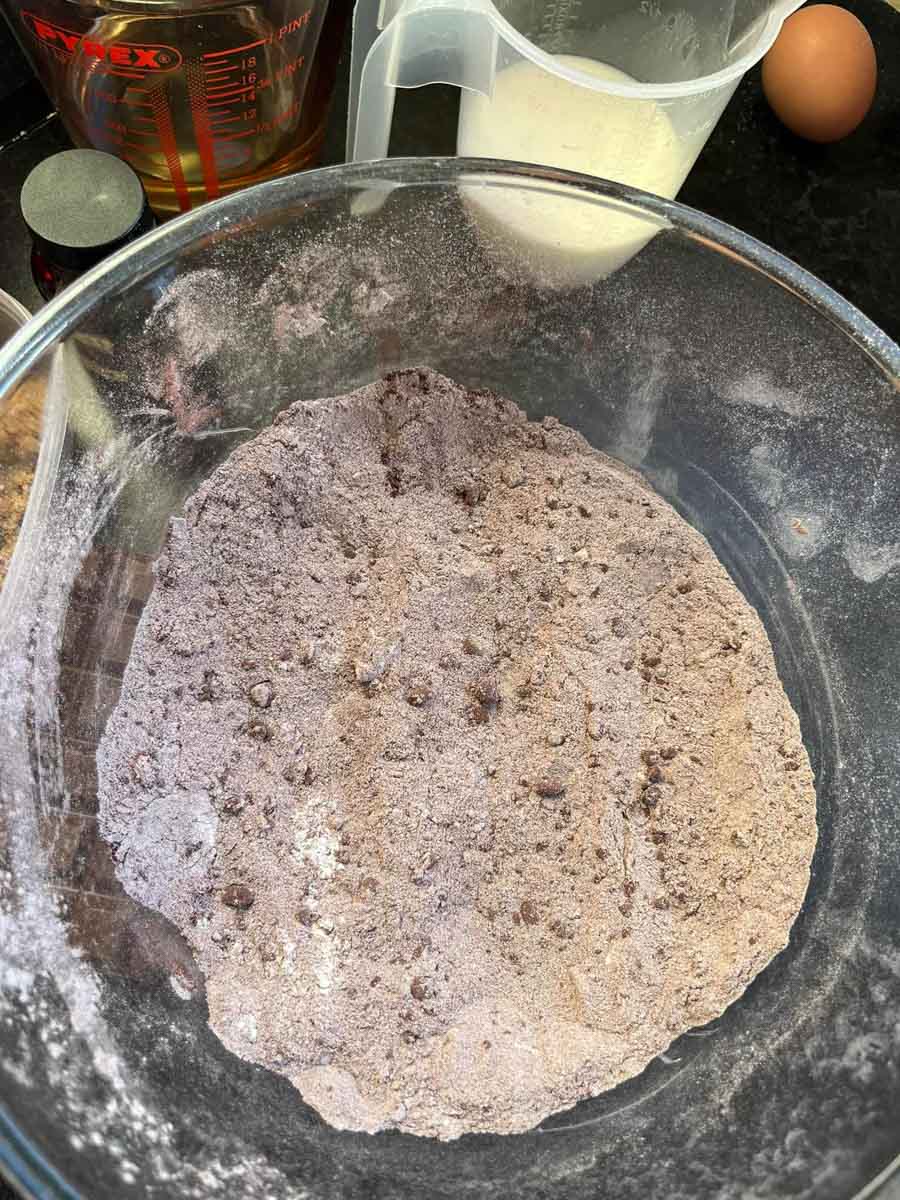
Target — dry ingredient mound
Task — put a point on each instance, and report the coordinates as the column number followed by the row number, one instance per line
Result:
column 459, row 760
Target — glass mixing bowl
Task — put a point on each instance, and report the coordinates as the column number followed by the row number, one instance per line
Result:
column 20, row 427
column 761, row 405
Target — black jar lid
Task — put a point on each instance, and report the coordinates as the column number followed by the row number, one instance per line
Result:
column 81, row 205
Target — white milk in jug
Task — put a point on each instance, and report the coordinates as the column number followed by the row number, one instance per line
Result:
column 538, row 117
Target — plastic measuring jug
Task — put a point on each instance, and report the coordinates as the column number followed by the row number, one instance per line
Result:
column 685, row 57
column 627, row 90
column 201, row 97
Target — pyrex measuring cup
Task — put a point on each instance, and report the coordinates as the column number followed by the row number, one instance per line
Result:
column 201, row 97
column 627, row 90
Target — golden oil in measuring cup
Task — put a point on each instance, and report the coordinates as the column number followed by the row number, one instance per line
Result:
column 200, row 103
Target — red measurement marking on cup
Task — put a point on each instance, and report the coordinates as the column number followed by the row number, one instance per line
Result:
column 162, row 115
column 202, row 132
column 109, row 137
column 112, row 125
column 232, row 85
column 235, row 49
column 220, row 95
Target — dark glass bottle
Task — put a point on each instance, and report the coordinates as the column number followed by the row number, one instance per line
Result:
column 80, row 206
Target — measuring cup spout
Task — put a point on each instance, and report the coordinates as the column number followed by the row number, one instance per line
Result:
column 783, row 8
column 756, row 38
column 424, row 41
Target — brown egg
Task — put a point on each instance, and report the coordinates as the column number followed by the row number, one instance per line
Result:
column 819, row 77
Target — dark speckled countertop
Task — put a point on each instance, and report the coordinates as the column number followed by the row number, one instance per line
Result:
column 833, row 209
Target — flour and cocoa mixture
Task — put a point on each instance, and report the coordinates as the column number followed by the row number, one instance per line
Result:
column 459, row 760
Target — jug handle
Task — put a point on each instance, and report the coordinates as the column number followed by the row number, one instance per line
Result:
column 427, row 41
column 366, row 28
column 780, row 10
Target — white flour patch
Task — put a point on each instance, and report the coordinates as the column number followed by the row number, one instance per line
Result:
column 767, row 473
column 189, row 311
column 758, row 390
column 870, row 561
column 645, row 395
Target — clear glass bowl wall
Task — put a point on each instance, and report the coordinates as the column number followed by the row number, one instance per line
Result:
column 756, row 401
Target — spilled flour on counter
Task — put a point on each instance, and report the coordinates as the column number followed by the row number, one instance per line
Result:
column 459, row 760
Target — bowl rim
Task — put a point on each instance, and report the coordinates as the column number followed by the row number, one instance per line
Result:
column 161, row 244
column 21, row 1162
column 13, row 309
